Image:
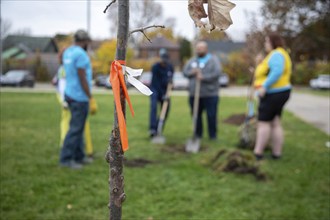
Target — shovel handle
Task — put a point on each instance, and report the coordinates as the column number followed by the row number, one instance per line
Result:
column 165, row 103
column 196, row 105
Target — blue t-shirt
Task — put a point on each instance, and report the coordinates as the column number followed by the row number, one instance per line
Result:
column 75, row 58
column 161, row 76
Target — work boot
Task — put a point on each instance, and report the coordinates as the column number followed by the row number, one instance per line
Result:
column 72, row 165
column 86, row 160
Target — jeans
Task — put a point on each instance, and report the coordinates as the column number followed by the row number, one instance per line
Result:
column 210, row 104
column 73, row 146
column 156, row 98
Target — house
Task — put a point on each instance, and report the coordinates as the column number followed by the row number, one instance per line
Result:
column 149, row 50
column 223, row 48
column 24, row 49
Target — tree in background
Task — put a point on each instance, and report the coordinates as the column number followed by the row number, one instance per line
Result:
column 304, row 24
column 185, row 50
column 63, row 40
column 142, row 13
column 237, row 67
column 5, row 27
column 214, row 35
column 104, row 55
column 165, row 32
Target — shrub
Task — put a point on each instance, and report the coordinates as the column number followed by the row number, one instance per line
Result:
column 304, row 71
column 237, row 68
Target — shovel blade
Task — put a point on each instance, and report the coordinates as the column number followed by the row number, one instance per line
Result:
column 193, row 145
column 158, row 139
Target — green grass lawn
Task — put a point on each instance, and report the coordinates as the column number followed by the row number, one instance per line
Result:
column 176, row 186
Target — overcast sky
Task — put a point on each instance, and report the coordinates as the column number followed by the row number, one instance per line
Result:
column 48, row 17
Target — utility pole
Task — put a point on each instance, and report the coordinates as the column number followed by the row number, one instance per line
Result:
column 89, row 17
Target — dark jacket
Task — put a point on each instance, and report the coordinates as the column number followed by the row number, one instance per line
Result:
column 161, row 76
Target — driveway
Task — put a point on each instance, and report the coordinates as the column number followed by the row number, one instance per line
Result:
column 312, row 109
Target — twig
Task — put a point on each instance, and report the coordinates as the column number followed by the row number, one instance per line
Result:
column 142, row 30
column 105, row 10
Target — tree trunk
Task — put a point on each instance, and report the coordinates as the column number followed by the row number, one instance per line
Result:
column 115, row 155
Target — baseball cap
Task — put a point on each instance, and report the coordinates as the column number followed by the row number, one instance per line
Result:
column 81, row 35
column 163, row 54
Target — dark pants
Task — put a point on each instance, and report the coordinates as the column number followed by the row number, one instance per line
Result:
column 155, row 99
column 271, row 105
column 73, row 147
column 210, row 104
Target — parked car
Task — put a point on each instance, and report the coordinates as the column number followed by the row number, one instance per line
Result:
column 17, row 78
column 101, row 80
column 321, row 82
column 223, row 80
column 107, row 83
column 180, row 82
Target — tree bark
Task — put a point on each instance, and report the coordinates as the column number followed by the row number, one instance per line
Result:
column 115, row 155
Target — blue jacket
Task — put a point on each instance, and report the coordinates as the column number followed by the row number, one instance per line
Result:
column 161, row 76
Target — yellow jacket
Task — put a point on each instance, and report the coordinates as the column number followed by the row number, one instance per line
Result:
column 265, row 73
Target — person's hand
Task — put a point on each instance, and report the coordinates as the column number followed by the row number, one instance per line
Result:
column 65, row 105
column 92, row 106
column 251, row 69
column 199, row 75
column 261, row 92
column 194, row 71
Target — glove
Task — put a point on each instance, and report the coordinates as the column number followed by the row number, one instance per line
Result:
column 92, row 106
column 65, row 105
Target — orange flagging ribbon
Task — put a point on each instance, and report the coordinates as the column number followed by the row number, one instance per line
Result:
column 117, row 81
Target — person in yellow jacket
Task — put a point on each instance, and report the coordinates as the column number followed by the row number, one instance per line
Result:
column 65, row 112
column 272, row 83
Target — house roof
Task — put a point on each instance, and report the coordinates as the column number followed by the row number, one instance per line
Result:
column 42, row 44
column 224, row 46
column 14, row 52
column 159, row 42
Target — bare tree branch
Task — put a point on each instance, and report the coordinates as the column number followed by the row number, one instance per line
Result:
column 142, row 30
column 108, row 6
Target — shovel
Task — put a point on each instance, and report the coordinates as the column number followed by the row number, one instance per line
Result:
column 159, row 138
column 193, row 144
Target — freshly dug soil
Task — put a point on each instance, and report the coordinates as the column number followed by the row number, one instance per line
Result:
column 137, row 162
column 177, row 148
column 236, row 162
column 236, row 119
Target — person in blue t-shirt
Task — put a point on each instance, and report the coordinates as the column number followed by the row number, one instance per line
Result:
column 162, row 75
column 77, row 91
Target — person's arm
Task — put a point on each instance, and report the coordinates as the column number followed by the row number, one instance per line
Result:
column 213, row 72
column 83, row 82
column 276, row 67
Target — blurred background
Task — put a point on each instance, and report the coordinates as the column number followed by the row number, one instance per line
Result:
column 163, row 182
column 32, row 33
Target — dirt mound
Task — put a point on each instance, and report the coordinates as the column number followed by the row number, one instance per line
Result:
column 179, row 148
column 236, row 162
column 137, row 162
column 236, row 119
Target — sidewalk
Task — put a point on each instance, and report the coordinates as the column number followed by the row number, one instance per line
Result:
column 312, row 109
